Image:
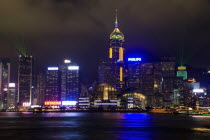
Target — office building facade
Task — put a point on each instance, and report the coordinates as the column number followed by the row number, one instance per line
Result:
column 53, row 84
column 25, row 75
column 4, row 82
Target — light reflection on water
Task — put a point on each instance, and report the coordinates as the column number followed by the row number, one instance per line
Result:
column 101, row 126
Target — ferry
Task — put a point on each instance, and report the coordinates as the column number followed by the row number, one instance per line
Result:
column 188, row 111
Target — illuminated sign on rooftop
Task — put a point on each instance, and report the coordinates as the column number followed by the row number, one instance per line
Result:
column 26, row 103
column 73, row 68
column 11, row 85
column 198, row 90
column 34, row 106
column 191, row 80
column 52, row 103
column 181, row 68
column 52, row 68
column 134, row 59
column 66, row 61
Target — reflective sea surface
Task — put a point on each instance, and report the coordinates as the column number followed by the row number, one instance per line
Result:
column 102, row 126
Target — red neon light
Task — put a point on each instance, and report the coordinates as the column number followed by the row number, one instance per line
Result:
column 191, row 80
column 52, row 103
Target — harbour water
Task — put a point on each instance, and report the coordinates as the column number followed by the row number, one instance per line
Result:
column 102, row 126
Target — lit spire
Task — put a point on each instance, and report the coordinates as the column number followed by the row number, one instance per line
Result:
column 116, row 23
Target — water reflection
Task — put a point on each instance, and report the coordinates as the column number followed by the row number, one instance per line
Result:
column 101, row 126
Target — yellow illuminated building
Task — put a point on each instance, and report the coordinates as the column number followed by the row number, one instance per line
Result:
column 110, row 52
column 121, row 54
column 121, row 74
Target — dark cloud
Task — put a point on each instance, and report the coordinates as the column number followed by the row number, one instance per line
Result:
column 79, row 29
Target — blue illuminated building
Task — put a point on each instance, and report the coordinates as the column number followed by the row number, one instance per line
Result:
column 134, row 73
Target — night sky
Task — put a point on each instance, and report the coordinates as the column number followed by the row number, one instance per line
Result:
column 80, row 29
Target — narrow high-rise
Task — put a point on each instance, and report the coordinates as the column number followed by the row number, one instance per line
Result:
column 4, row 82
column 72, row 83
column 41, row 83
column 25, row 79
column 11, row 97
column 53, row 84
column 69, row 81
column 134, row 73
column 112, row 70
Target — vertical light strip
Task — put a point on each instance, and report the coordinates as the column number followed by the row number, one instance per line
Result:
column 121, row 54
column 110, row 52
column 121, row 74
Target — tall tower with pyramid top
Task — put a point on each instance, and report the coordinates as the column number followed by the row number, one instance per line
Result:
column 113, row 68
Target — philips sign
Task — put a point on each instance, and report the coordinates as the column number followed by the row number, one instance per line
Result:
column 134, row 59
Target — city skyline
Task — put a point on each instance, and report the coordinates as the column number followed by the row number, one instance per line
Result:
column 104, row 69
column 65, row 33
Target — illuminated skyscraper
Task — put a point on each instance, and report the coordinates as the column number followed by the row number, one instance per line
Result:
column 157, row 80
column 69, row 81
column 53, row 84
column 115, row 60
column 72, row 83
column 4, row 82
column 11, row 97
column 41, row 83
column 62, row 83
column 134, row 73
column 25, row 79
column 64, row 68
column 147, row 78
column 182, row 72
column 168, row 76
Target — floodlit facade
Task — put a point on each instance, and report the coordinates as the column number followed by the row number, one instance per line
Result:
column 106, row 96
column 134, row 100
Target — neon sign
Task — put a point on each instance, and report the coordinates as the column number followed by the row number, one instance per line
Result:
column 191, row 80
column 73, row 68
column 69, row 102
column 66, row 61
column 52, row 68
column 26, row 103
column 118, row 60
column 182, row 68
column 11, row 84
column 198, row 90
column 134, row 59
column 52, row 103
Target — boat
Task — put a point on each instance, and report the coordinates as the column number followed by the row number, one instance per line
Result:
column 188, row 111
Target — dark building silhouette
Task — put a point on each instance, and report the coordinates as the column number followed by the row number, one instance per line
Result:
column 4, row 81
column 25, row 79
